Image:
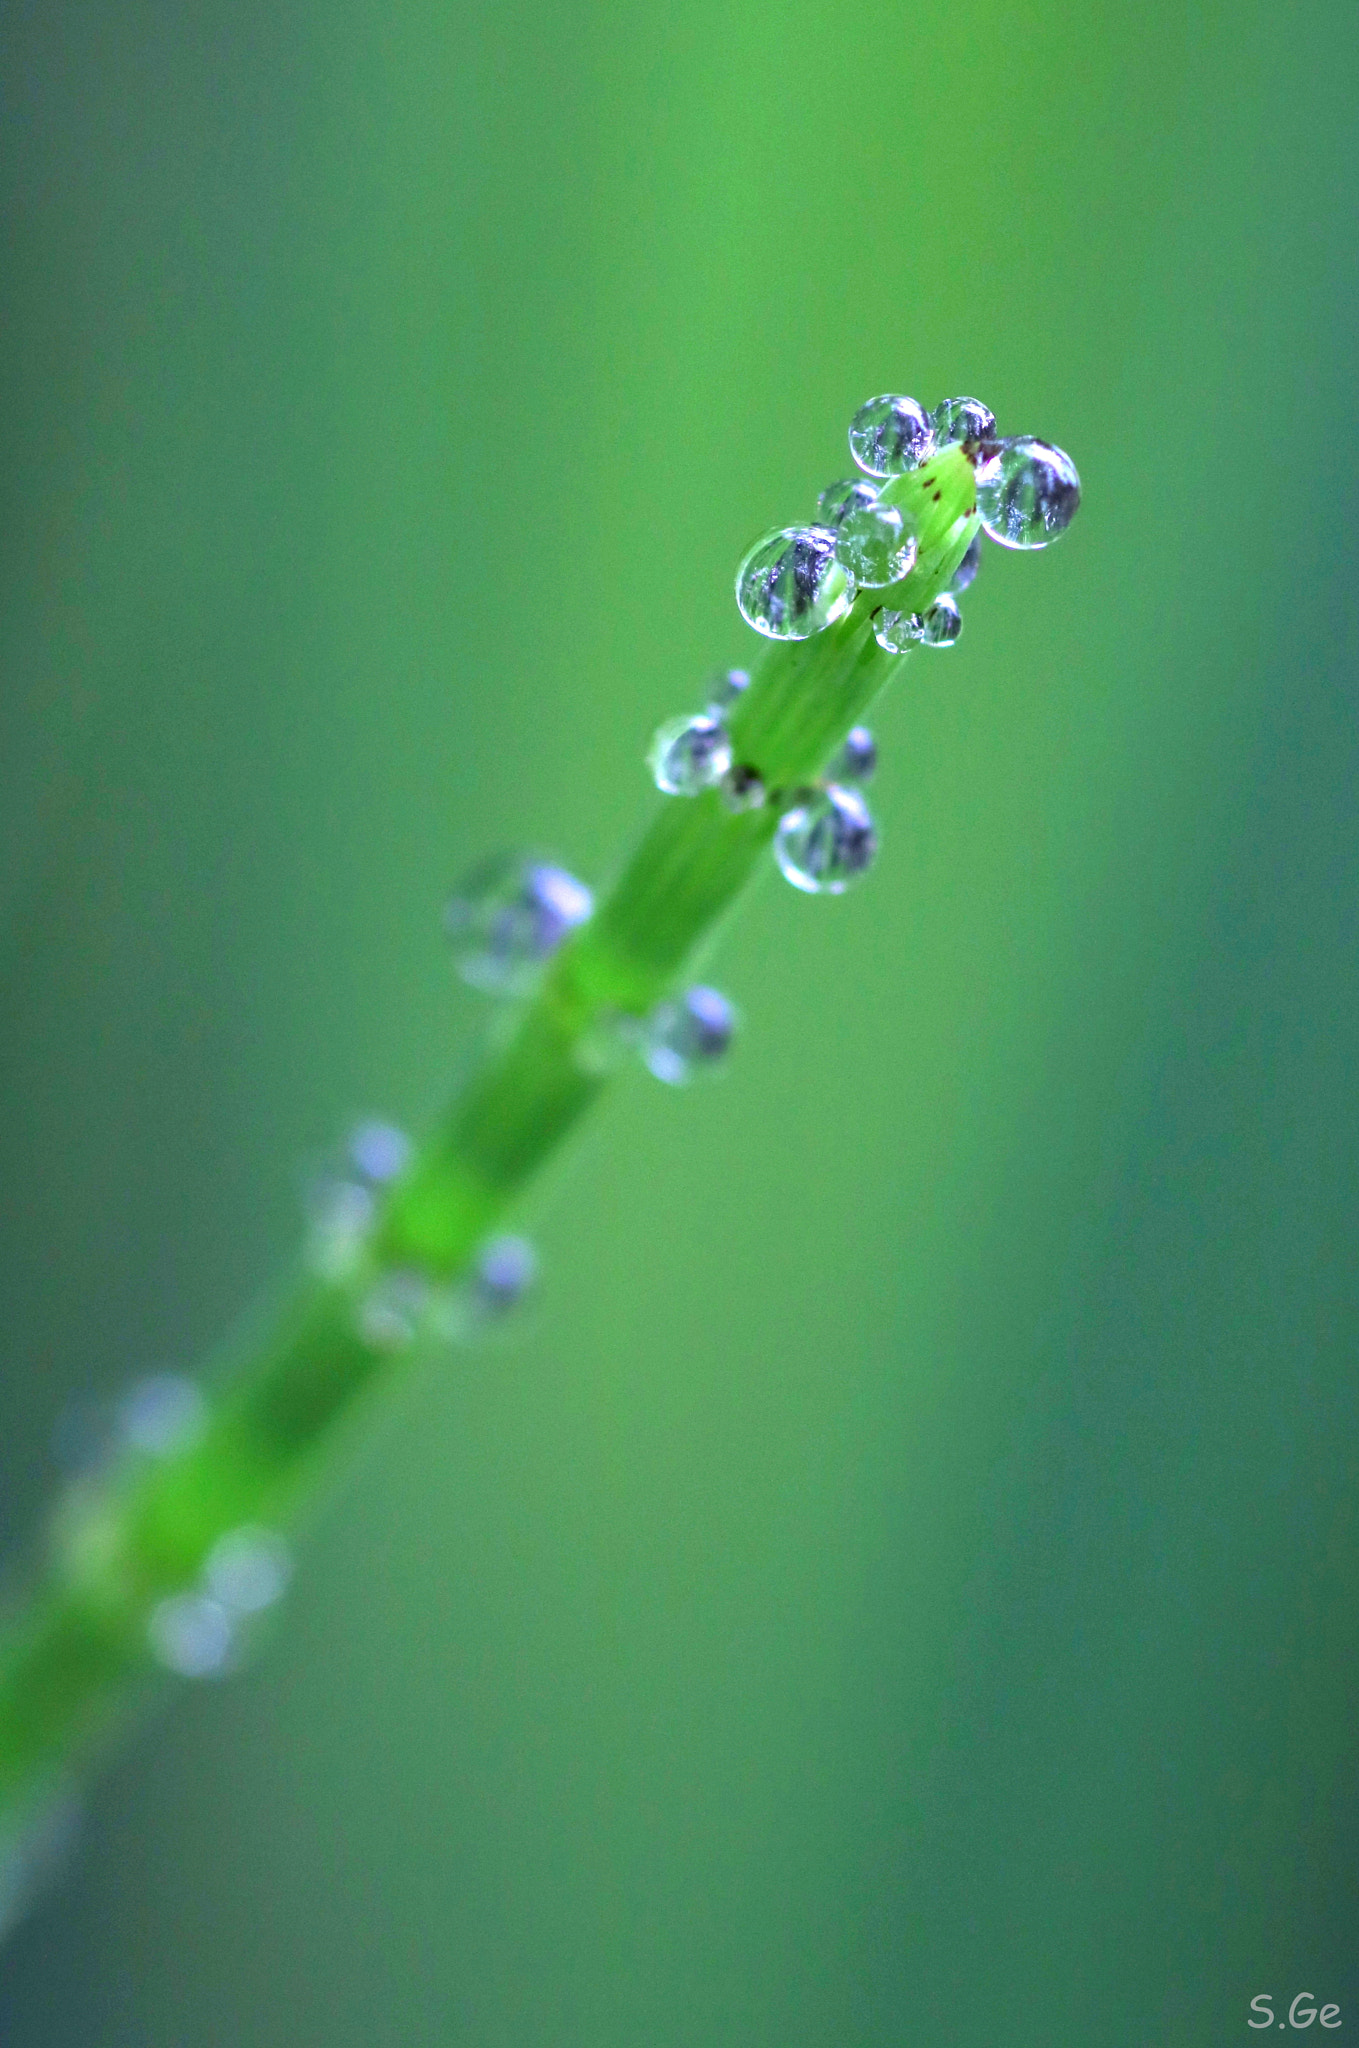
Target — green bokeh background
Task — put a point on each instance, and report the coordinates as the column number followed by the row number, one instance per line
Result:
column 902, row 1587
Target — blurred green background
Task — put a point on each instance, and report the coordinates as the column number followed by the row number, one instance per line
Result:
column 903, row 1587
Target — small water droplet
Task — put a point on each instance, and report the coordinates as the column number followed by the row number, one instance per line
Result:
column 827, row 842
column 898, row 632
column 729, row 687
column 689, row 755
column 837, row 501
column 858, row 757
column 505, row 1271
column 889, row 435
column 378, row 1151
column 162, row 1415
column 790, row 584
column 743, row 789
column 510, row 916
column 248, row 1569
column 688, row 1036
column 876, row 544
column 965, row 575
column 1027, row 492
column 961, row 419
column 942, row 623
column 192, row 1635
column 394, row 1311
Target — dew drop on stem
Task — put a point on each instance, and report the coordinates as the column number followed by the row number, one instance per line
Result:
column 890, row 435
column 961, row 419
column 508, row 918
column 689, row 755
column 826, row 842
column 857, row 758
column 877, row 545
column 1028, row 492
column 689, row 1036
column 838, row 500
column 790, row 585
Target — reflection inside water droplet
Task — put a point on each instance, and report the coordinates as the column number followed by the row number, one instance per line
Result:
column 790, row 585
column 827, row 842
column 510, row 916
column 689, row 755
column 1028, row 492
column 688, row 1036
column 889, row 436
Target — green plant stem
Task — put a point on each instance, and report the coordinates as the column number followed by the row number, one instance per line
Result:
column 77, row 1655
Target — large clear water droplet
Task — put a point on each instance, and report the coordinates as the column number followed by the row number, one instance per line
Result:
column 961, row 419
column 857, row 759
column 837, row 501
column 1027, row 492
column 827, row 842
column 790, row 585
column 898, row 632
column 876, row 544
column 689, row 1036
column 510, row 916
column 942, row 623
column 965, row 574
column 689, row 755
column 889, row 436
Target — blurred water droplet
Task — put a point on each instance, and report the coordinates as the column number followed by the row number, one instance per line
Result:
column 340, row 1215
column 689, row 755
column 876, row 544
column 827, row 842
column 790, row 584
column 379, row 1151
column 942, row 623
column 505, row 1271
column 162, row 1415
column 394, row 1311
column 35, row 1848
column 965, row 574
column 510, row 916
column 688, row 1036
column 898, row 632
column 851, row 494
column 730, row 686
column 192, row 1635
column 961, row 419
column 890, row 435
column 1027, row 492
column 743, row 789
column 858, row 757
column 248, row 1569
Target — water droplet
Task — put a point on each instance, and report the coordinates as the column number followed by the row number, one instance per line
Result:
column 509, row 916
column 688, row 1036
column 162, row 1415
column 890, row 435
column 505, row 1271
column 876, row 545
column 192, row 1636
column 730, row 686
column 743, row 789
column 837, row 501
column 394, row 1311
column 858, row 757
column 898, row 632
column 961, row 419
column 942, row 623
column 790, row 585
column 689, row 755
column 247, row 1570
column 378, row 1151
column 965, row 575
column 1027, row 492
column 827, row 842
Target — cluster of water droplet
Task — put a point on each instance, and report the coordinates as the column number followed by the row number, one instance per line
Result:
column 342, row 1202
column 205, row 1631
column 405, row 1306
